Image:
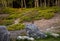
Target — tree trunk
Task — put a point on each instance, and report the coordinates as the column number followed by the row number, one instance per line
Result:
column 37, row 3
column 53, row 3
column 40, row 3
column 25, row 3
column 21, row 3
column 49, row 3
column 59, row 2
column 4, row 3
column 44, row 3
column 56, row 3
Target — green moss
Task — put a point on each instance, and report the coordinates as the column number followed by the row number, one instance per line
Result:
column 16, row 27
column 26, row 18
column 48, row 15
column 6, row 22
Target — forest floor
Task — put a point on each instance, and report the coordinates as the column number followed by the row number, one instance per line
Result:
column 44, row 24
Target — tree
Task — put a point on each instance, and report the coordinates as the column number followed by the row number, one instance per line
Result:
column 49, row 2
column 25, row 3
column 30, row 3
column 10, row 2
column 56, row 2
column 40, row 3
column 21, row 3
column 45, row 3
column 36, row 3
column 4, row 3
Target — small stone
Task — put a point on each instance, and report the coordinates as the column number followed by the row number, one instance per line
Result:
column 55, row 35
column 25, row 37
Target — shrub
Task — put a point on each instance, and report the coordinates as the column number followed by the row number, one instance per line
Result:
column 37, row 18
column 26, row 18
column 48, row 15
column 13, row 16
column 16, row 27
column 56, row 8
column 6, row 22
column 9, row 10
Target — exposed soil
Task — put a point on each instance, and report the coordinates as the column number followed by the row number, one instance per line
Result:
column 4, row 15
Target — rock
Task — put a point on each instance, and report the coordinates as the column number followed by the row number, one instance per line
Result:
column 17, row 21
column 55, row 35
column 25, row 37
column 4, row 34
column 33, row 31
column 53, row 29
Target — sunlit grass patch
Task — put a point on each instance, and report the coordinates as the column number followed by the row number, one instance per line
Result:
column 16, row 27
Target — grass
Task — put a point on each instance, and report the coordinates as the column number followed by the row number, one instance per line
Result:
column 28, row 14
column 6, row 22
column 16, row 27
column 49, row 39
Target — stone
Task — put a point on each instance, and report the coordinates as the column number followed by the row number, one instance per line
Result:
column 25, row 37
column 55, row 35
column 4, row 34
column 33, row 31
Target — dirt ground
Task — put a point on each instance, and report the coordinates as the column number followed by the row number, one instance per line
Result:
column 44, row 24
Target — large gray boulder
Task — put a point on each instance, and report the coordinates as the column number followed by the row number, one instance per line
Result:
column 4, row 34
column 33, row 31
